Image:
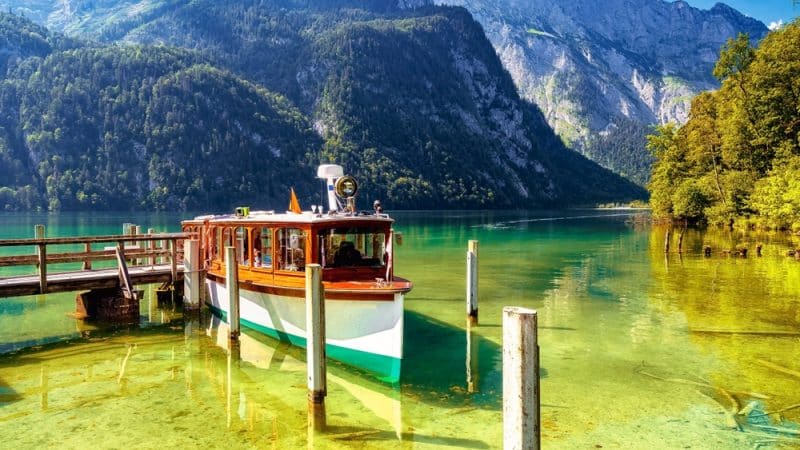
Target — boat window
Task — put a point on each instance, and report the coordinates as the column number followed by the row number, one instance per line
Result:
column 242, row 246
column 292, row 251
column 224, row 235
column 212, row 238
column 262, row 247
column 351, row 247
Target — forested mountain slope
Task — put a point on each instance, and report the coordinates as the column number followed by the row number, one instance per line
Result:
column 414, row 103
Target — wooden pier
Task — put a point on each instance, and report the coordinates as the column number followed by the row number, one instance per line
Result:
column 141, row 258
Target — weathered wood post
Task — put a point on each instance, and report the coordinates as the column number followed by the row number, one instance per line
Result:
column 87, row 263
column 666, row 241
column 521, row 429
column 472, row 282
column 191, row 274
column 151, row 245
column 680, row 242
column 124, row 276
column 232, row 283
column 41, row 252
column 173, row 260
column 315, row 346
column 137, row 230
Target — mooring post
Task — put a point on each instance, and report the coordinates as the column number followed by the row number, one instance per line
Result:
column 191, row 274
column 232, row 283
column 680, row 242
column 315, row 345
column 41, row 252
column 521, row 428
column 472, row 282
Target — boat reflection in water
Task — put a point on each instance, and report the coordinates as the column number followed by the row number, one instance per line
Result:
column 255, row 357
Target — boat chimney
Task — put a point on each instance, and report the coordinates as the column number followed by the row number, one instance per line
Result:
column 330, row 173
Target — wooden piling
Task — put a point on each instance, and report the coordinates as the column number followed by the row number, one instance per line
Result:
column 666, row 241
column 472, row 282
column 232, row 284
column 680, row 242
column 521, row 424
column 41, row 253
column 191, row 274
column 315, row 336
column 173, row 261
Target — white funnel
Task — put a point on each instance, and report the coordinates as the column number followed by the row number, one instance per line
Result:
column 330, row 173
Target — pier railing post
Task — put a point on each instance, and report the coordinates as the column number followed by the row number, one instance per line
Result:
column 191, row 274
column 87, row 263
column 173, row 260
column 521, row 424
column 315, row 345
column 151, row 245
column 472, row 282
column 137, row 230
column 232, row 284
column 41, row 252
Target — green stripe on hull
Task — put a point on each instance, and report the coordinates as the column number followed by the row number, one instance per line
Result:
column 386, row 368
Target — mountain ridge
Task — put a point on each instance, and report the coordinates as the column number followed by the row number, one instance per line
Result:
column 458, row 137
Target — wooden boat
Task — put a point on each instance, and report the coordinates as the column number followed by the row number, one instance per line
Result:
column 363, row 298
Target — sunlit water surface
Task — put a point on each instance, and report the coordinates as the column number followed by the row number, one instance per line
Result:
column 638, row 349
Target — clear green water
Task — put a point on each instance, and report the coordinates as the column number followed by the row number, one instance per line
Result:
column 637, row 350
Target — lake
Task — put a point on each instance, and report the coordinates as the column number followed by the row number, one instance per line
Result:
column 638, row 349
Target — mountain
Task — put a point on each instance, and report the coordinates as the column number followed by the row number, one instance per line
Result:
column 604, row 71
column 208, row 104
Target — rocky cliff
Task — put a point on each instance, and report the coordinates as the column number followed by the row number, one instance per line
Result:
column 597, row 67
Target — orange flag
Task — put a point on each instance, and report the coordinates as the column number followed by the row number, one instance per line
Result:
column 294, row 205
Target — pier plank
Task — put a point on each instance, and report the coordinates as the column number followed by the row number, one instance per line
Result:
column 86, row 279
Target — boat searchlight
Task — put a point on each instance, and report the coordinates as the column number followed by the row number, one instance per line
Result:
column 339, row 187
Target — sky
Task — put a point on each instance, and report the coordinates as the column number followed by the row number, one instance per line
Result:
column 767, row 11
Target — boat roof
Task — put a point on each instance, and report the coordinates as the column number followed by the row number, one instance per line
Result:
column 305, row 217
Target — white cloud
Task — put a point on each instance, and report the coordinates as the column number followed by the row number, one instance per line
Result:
column 775, row 25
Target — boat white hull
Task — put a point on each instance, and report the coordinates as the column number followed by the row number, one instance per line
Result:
column 367, row 334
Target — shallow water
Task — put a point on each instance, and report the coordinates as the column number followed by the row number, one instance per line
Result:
column 637, row 350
